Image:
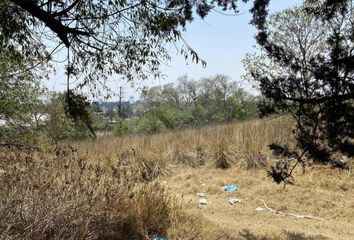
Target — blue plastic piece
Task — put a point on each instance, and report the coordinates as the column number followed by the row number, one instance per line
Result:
column 230, row 188
column 159, row 238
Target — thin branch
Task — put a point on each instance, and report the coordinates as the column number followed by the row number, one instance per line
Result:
column 34, row 66
column 49, row 20
column 68, row 9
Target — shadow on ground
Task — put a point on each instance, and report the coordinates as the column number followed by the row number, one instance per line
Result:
column 246, row 234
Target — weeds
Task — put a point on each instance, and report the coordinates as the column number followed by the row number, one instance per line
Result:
column 222, row 159
column 107, row 189
column 185, row 158
column 255, row 160
column 61, row 196
column 281, row 172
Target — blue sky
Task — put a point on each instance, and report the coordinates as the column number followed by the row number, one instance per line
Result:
column 222, row 41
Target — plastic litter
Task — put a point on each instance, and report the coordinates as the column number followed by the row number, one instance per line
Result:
column 260, row 209
column 230, row 188
column 159, row 238
column 203, row 201
column 202, row 195
column 234, row 200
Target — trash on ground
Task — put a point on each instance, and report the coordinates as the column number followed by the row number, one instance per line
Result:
column 260, row 209
column 234, row 200
column 266, row 208
column 230, row 188
column 202, row 195
column 203, row 201
column 159, row 238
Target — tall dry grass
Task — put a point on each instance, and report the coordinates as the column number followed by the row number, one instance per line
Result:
column 60, row 195
column 107, row 189
column 242, row 142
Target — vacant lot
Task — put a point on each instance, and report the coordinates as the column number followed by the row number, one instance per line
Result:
column 321, row 192
column 140, row 187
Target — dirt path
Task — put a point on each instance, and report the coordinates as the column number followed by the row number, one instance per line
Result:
column 329, row 197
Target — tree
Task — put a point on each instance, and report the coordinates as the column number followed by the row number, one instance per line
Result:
column 109, row 36
column 77, row 107
column 58, row 125
column 188, row 90
column 212, row 99
column 223, row 99
column 21, row 109
column 127, row 38
column 105, row 37
column 313, row 78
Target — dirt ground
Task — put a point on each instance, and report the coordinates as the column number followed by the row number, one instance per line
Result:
column 320, row 192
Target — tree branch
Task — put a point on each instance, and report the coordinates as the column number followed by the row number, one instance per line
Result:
column 49, row 20
column 342, row 97
column 68, row 9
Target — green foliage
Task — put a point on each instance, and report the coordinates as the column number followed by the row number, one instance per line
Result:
column 121, row 127
column 98, row 122
column 211, row 100
column 58, row 126
column 305, row 68
column 127, row 38
column 21, row 109
column 150, row 123
column 79, row 131
column 78, row 108
column 172, row 117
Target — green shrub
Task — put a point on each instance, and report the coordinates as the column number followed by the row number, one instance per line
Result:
column 80, row 131
column 121, row 127
column 150, row 123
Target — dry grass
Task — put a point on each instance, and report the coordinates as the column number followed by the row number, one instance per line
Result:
column 195, row 147
column 139, row 187
column 320, row 192
column 62, row 196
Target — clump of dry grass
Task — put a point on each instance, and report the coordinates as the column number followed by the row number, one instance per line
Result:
column 194, row 147
column 61, row 196
column 255, row 160
column 179, row 156
column 222, row 158
column 144, row 167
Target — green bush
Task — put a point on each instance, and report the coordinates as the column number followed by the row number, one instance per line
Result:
column 121, row 127
column 150, row 123
column 80, row 131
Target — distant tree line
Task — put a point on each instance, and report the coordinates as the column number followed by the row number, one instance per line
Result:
column 188, row 103
column 214, row 99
